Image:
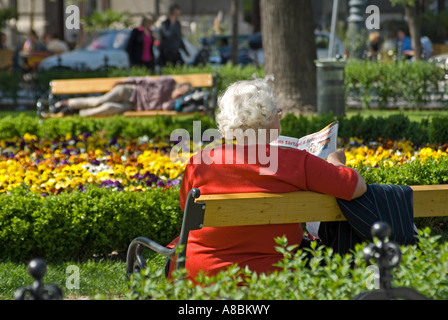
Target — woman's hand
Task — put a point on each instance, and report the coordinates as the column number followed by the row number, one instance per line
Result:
column 337, row 158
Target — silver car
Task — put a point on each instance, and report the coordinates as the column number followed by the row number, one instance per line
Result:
column 104, row 49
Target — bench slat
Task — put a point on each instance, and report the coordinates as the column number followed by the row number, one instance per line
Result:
column 300, row 206
column 100, row 85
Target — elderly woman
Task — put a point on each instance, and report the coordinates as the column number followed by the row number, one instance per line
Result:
column 251, row 105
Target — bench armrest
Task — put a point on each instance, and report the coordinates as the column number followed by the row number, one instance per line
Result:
column 134, row 258
column 193, row 219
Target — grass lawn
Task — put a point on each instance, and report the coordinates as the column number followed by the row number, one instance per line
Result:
column 413, row 115
column 98, row 279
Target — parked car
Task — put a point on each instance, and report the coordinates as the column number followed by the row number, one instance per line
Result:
column 217, row 50
column 250, row 48
column 441, row 60
column 104, row 48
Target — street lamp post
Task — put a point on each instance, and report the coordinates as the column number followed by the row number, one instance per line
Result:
column 355, row 32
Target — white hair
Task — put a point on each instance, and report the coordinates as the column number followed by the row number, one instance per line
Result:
column 247, row 104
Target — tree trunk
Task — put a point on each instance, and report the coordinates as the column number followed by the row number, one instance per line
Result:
column 414, row 31
column 290, row 51
column 440, row 5
column 256, row 16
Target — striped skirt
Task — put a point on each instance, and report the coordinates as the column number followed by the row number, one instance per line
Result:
column 392, row 204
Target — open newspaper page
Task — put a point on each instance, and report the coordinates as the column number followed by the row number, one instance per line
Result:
column 321, row 144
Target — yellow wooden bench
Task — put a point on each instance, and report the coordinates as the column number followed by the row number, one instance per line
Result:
column 6, row 60
column 79, row 87
column 244, row 209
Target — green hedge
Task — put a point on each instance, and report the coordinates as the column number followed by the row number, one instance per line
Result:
column 396, row 127
column 417, row 172
column 327, row 276
column 80, row 224
column 116, row 127
column 388, row 82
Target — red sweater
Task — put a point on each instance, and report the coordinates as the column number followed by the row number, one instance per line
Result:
column 213, row 249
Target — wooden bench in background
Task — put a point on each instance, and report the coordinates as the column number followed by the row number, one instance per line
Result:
column 6, row 60
column 80, row 87
column 244, row 209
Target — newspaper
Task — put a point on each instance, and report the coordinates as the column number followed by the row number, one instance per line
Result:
column 321, row 144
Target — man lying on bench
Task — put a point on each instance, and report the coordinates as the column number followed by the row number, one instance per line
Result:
column 135, row 93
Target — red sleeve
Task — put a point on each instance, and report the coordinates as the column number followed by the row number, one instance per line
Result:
column 324, row 177
column 185, row 187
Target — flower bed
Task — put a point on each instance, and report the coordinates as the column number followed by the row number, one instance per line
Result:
column 50, row 167
column 73, row 162
column 390, row 153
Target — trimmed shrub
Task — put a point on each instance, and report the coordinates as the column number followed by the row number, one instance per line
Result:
column 387, row 82
column 115, row 127
column 324, row 276
column 438, row 130
column 394, row 127
column 78, row 225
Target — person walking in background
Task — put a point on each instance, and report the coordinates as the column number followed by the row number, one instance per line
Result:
column 33, row 43
column 140, row 45
column 171, row 39
column 404, row 42
column 427, row 47
column 33, row 51
column 54, row 45
column 374, row 46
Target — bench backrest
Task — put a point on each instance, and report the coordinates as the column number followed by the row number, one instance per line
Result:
column 238, row 209
column 101, row 85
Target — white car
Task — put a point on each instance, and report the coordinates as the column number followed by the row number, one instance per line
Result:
column 104, row 49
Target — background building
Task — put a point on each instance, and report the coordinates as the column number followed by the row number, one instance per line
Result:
column 197, row 15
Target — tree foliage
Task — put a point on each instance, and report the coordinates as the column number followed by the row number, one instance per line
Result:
column 413, row 24
column 7, row 14
column 107, row 19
